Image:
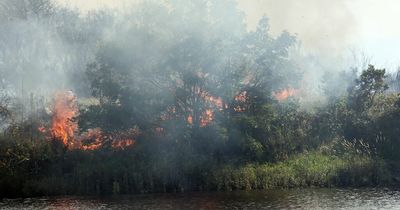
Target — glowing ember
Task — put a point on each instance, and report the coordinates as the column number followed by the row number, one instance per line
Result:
column 190, row 119
column 42, row 129
column 65, row 110
column 93, row 146
column 159, row 130
column 285, row 93
column 241, row 97
column 239, row 109
column 215, row 101
column 207, row 117
column 169, row 114
column 125, row 139
column 92, row 139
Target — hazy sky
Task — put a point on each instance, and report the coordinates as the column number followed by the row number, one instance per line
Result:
column 328, row 27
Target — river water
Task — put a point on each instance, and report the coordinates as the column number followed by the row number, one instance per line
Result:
column 364, row 198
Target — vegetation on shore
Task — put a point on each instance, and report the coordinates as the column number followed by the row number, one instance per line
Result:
column 305, row 170
column 41, row 171
column 175, row 98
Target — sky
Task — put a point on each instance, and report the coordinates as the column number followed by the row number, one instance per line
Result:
column 329, row 28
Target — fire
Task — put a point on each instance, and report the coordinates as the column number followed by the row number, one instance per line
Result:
column 207, row 117
column 190, row 119
column 92, row 139
column 125, row 139
column 215, row 101
column 241, row 97
column 95, row 139
column 42, row 129
column 64, row 127
column 285, row 93
column 159, row 130
column 65, row 110
column 239, row 109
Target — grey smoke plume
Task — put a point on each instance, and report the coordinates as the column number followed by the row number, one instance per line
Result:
column 43, row 51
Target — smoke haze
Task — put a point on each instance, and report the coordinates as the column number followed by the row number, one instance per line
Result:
column 53, row 49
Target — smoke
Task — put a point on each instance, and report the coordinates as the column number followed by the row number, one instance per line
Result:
column 323, row 26
column 328, row 33
column 335, row 30
column 44, row 49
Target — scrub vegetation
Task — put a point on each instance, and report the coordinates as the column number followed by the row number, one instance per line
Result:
column 180, row 96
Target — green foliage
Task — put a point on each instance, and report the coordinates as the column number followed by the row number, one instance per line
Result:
column 371, row 83
column 304, row 170
column 163, row 81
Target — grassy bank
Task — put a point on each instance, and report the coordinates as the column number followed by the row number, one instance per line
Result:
column 312, row 169
column 40, row 170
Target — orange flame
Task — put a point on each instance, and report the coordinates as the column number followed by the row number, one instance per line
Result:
column 285, row 93
column 207, row 116
column 65, row 110
column 64, row 127
column 125, row 139
column 214, row 103
column 92, row 139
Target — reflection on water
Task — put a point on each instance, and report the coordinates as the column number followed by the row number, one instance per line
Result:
column 273, row 199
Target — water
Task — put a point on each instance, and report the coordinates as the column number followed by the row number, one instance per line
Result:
column 273, row 199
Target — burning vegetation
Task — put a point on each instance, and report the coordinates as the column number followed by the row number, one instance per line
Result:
column 285, row 93
column 64, row 124
column 65, row 114
column 167, row 108
column 64, row 127
column 240, row 99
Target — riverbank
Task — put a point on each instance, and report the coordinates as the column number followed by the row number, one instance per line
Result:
column 312, row 169
column 103, row 172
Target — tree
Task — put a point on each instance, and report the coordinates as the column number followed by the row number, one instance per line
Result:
column 370, row 83
column 4, row 108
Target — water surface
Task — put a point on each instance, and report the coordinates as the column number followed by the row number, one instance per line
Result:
column 368, row 198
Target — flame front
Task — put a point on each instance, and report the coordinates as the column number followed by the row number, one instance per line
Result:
column 64, row 127
column 92, row 139
column 65, row 110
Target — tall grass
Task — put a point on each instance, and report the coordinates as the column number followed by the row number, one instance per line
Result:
column 311, row 169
